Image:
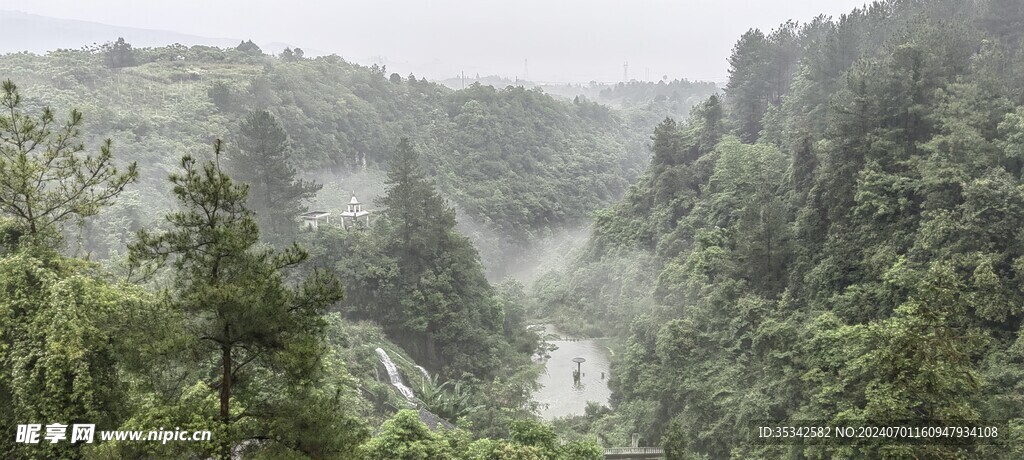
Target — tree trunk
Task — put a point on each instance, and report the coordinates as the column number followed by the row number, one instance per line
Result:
column 225, row 392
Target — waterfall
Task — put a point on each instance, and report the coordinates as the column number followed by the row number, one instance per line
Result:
column 394, row 375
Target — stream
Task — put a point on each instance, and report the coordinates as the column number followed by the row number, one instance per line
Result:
column 558, row 395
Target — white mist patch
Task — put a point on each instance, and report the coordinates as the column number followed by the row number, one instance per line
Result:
column 337, row 188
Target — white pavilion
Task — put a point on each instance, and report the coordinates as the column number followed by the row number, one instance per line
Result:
column 313, row 219
column 354, row 214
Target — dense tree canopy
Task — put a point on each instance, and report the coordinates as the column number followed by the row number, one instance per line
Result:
column 416, row 275
column 238, row 304
column 517, row 163
column 46, row 179
column 838, row 240
column 838, row 237
column 261, row 160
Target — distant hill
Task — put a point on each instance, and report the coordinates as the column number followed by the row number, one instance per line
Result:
column 39, row 34
column 518, row 164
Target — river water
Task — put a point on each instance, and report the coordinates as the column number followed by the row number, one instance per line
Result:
column 558, row 395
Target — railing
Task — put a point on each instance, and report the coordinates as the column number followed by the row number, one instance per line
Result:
column 634, row 452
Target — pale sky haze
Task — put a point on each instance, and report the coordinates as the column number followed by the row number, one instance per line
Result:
column 553, row 40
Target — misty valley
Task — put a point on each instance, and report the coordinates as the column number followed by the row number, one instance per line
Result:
column 227, row 251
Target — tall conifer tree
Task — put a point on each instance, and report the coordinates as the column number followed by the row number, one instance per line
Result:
column 276, row 194
column 242, row 311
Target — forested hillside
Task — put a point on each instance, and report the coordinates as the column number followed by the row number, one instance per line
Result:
column 642, row 104
column 517, row 164
column 837, row 239
column 212, row 327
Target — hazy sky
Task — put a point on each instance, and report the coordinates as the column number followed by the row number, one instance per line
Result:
column 554, row 40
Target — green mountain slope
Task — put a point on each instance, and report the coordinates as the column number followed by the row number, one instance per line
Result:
column 518, row 164
column 836, row 240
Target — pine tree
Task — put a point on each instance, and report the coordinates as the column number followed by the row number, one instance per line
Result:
column 243, row 313
column 250, row 48
column 46, row 178
column 64, row 329
column 747, row 88
column 413, row 205
column 119, row 54
column 446, row 312
column 276, row 195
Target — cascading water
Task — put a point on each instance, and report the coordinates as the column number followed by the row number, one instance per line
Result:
column 394, row 375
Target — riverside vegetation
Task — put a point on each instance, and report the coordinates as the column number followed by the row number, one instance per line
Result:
column 837, row 237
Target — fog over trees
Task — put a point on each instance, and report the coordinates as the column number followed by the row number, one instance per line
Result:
column 285, row 245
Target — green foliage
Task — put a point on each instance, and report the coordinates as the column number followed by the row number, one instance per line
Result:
column 248, row 323
column 449, row 400
column 289, row 55
column 916, row 364
column 119, row 54
column 760, row 71
column 248, row 47
column 506, row 151
column 609, row 282
column 511, row 298
column 277, row 196
column 517, row 163
column 64, row 330
column 499, row 401
column 414, row 274
column 46, row 179
column 852, row 254
column 405, row 437
column 837, row 238
column 77, row 347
